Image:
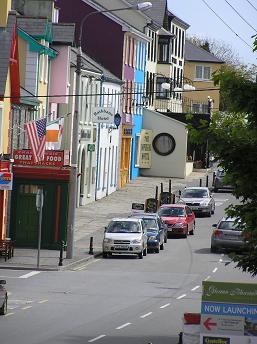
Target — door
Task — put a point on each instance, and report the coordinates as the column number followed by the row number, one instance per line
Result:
column 27, row 216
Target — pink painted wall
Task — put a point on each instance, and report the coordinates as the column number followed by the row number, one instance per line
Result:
column 59, row 79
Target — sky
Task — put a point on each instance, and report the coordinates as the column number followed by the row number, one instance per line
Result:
column 204, row 23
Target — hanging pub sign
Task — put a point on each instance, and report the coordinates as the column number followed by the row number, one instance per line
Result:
column 6, row 179
column 166, row 198
column 151, row 205
column 51, row 158
column 103, row 115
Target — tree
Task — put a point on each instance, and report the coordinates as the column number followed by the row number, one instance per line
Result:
column 232, row 138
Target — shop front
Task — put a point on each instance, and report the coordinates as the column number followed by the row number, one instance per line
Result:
column 52, row 176
column 6, row 181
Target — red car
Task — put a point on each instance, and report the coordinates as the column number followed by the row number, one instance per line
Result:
column 179, row 218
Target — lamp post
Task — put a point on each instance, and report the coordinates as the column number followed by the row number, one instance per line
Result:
column 74, row 157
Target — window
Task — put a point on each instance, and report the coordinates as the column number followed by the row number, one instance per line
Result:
column 164, row 50
column 164, row 144
column 137, row 149
column 202, row 72
column 160, row 92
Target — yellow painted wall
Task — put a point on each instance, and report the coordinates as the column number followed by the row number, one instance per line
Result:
column 22, row 46
column 5, row 6
column 202, row 96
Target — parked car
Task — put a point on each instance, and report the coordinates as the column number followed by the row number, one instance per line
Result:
column 3, row 298
column 219, row 182
column 125, row 236
column 179, row 218
column 227, row 235
column 199, row 199
column 155, row 231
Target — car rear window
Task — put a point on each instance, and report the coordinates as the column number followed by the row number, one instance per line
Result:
column 123, row 227
column 150, row 223
column 229, row 225
column 172, row 212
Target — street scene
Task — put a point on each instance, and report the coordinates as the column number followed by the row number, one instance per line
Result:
column 128, row 203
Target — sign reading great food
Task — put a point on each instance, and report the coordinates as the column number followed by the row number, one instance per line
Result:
column 103, row 115
column 51, row 158
column 228, row 312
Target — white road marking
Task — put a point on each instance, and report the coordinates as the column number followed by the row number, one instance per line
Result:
column 208, row 277
column 122, row 326
column 96, row 338
column 27, row 307
column 214, row 270
column 81, row 267
column 9, row 293
column 8, row 314
column 30, row 274
column 222, row 255
column 181, row 296
column 220, row 260
column 218, row 204
column 43, row 301
column 196, row 287
column 146, row 315
column 164, row 306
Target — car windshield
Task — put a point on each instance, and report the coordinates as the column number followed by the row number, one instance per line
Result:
column 194, row 193
column 123, row 227
column 229, row 225
column 150, row 223
column 172, row 212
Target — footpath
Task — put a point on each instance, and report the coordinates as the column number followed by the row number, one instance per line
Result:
column 92, row 218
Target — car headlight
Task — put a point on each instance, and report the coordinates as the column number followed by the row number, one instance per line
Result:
column 152, row 237
column 136, row 241
column 179, row 225
column 107, row 241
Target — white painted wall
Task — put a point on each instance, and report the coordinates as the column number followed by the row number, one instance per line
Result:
column 173, row 165
column 108, row 145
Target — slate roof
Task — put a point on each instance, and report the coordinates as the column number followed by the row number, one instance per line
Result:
column 85, row 64
column 5, row 51
column 157, row 12
column 33, row 26
column 63, row 33
column 194, row 53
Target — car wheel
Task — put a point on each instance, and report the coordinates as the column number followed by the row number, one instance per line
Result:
column 214, row 249
column 162, row 246
column 105, row 255
column 157, row 250
column 145, row 252
column 140, row 255
column 213, row 210
column 192, row 230
column 3, row 309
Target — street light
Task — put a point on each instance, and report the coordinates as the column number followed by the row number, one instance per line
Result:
column 74, row 157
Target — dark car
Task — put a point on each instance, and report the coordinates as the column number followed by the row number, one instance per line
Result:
column 220, row 182
column 3, row 298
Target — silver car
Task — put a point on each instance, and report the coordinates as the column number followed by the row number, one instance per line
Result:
column 199, row 199
column 227, row 235
column 3, row 298
column 125, row 236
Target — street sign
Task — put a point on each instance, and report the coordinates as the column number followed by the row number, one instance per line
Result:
column 138, row 206
column 151, row 205
column 90, row 147
column 6, row 179
column 228, row 313
column 103, row 115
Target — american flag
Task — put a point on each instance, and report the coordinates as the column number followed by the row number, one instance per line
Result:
column 36, row 131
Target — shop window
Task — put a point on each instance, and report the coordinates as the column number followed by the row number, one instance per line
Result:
column 28, row 189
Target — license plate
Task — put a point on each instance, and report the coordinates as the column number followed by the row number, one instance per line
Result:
column 121, row 247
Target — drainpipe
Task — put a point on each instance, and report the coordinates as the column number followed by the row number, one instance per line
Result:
column 98, row 137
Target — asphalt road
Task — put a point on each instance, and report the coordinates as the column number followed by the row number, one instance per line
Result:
column 117, row 300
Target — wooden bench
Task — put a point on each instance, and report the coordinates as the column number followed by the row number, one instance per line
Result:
column 6, row 249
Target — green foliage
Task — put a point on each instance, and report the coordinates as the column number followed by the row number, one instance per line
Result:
column 232, row 139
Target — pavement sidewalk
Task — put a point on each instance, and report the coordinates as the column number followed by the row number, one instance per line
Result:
column 91, row 220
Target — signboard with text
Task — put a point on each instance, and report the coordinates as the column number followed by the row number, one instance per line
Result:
column 103, row 115
column 51, row 158
column 145, row 160
column 6, row 180
column 228, row 313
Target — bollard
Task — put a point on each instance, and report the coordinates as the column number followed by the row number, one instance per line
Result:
column 61, row 254
column 170, row 186
column 91, row 250
column 207, row 180
column 180, row 338
column 200, row 184
column 156, row 193
column 213, row 178
column 161, row 188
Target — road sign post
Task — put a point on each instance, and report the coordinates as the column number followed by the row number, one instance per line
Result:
column 39, row 205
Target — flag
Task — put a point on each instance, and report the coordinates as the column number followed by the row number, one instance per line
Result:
column 36, row 131
column 54, row 132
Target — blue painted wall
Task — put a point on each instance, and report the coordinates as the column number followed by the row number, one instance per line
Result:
column 138, row 111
